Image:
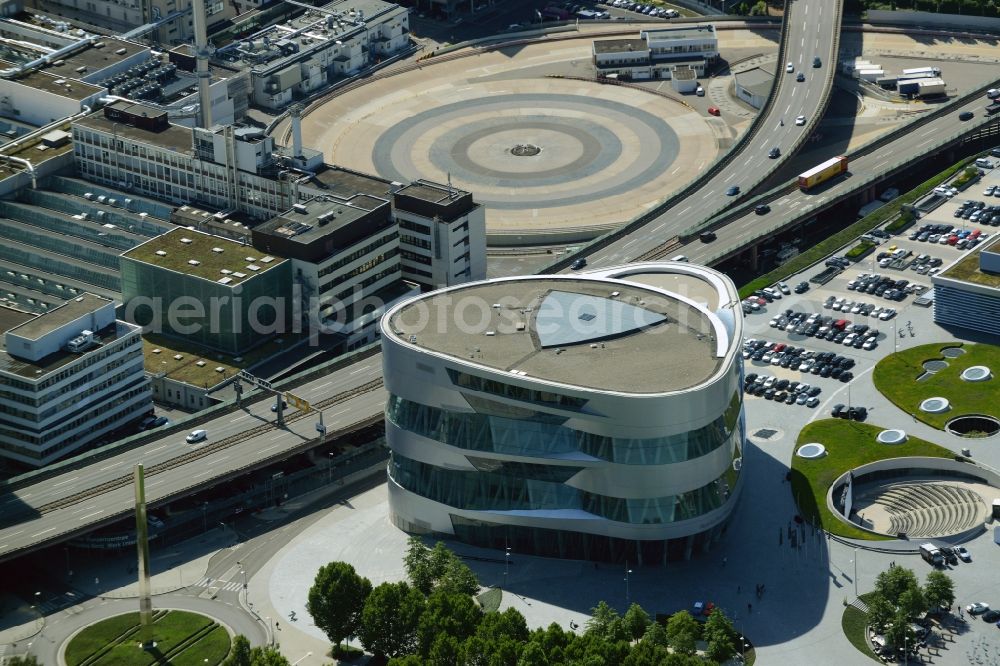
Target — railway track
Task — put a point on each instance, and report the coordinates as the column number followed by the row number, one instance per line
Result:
column 196, row 454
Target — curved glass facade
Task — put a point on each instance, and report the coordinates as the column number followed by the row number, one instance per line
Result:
column 527, row 436
column 533, row 487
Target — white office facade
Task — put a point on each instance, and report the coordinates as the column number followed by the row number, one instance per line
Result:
column 54, row 401
column 594, row 416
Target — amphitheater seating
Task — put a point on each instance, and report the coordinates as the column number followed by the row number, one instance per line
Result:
column 928, row 509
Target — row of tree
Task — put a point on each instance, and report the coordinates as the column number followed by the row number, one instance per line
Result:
column 434, row 618
column 898, row 600
column 967, row 7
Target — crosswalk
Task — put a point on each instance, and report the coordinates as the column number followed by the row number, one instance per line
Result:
column 54, row 604
column 231, row 586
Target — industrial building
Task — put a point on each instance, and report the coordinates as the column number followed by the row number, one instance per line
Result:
column 208, row 290
column 754, row 85
column 590, row 416
column 67, row 378
column 290, row 61
column 967, row 293
column 658, row 52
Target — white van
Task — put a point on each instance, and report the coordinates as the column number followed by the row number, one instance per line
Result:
column 679, row 257
column 196, row 436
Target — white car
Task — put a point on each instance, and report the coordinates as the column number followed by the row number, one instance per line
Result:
column 789, row 68
column 963, row 554
column 869, row 344
column 887, row 314
column 849, row 339
column 196, row 436
column 784, row 288
column 801, row 120
column 977, row 608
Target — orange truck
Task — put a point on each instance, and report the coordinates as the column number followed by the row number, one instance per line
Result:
column 823, row 172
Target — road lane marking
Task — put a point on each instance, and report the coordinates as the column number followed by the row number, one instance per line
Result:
column 685, row 210
column 273, row 446
column 90, row 515
column 86, row 508
column 238, row 418
column 113, row 466
column 361, row 369
column 322, row 386
column 44, row 531
column 156, row 449
column 63, row 483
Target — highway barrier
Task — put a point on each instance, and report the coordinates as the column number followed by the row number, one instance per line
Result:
column 688, row 189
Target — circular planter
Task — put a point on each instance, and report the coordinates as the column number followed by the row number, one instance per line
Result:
column 973, row 426
column 977, row 373
column 935, row 405
column 891, row 437
column 935, row 366
column 811, row 451
column 952, row 352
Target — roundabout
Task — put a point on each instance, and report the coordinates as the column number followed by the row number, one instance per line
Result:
column 552, row 159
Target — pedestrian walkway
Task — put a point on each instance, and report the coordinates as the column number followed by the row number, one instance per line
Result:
column 228, row 586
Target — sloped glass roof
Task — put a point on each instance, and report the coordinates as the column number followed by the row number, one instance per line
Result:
column 567, row 318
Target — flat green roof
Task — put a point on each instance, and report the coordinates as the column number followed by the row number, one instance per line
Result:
column 967, row 268
column 176, row 249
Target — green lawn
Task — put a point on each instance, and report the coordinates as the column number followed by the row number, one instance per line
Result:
column 490, row 600
column 848, row 444
column 895, row 376
column 855, row 626
column 203, row 642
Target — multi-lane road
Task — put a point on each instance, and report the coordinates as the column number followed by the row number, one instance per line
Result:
column 54, row 511
column 812, row 30
column 742, row 231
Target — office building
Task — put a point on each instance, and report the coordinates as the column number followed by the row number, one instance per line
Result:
column 596, row 415
column 122, row 16
column 658, row 52
column 442, row 234
column 207, row 289
column 967, row 293
column 68, row 378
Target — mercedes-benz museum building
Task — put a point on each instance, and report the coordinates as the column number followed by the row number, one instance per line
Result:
column 597, row 415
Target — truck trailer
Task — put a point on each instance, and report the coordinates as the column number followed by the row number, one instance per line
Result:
column 931, row 554
column 930, row 87
column 933, row 71
column 823, row 172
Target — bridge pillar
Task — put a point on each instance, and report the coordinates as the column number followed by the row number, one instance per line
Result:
column 754, row 258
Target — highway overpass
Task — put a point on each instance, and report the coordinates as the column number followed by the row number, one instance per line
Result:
column 81, row 499
column 811, row 29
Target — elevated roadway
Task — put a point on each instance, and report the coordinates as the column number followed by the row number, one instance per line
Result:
column 79, row 500
column 811, row 29
column 869, row 165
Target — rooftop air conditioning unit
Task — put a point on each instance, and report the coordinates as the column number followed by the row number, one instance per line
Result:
column 80, row 342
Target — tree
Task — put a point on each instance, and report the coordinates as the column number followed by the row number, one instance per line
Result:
column 418, row 565
column 239, row 653
column 601, row 618
column 682, row 632
column 939, row 590
column 880, row 611
column 449, row 614
column 458, row 577
column 898, row 632
column 894, row 581
column 720, row 636
column 445, row 651
column 336, row 600
column 911, row 603
column 267, row 656
column 655, row 635
column 23, row 660
column 533, row 655
column 390, row 619
column 636, row 621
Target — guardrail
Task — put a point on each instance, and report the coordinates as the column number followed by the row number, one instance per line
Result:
column 861, row 182
column 688, row 189
column 141, row 439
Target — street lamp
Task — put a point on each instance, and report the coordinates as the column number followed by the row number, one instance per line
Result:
column 855, row 572
column 204, row 517
column 243, row 571
column 506, row 566
column 329, row 468
column 627, row 572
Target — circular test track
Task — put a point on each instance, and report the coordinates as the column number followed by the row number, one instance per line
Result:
column 552, row 159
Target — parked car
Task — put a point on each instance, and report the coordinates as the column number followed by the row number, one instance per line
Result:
column 963, row 554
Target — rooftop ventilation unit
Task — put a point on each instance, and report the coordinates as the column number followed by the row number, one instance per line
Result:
column 300, row 208
column 194, row 262
column 186, row 241
column 161, row 253
column 80, row 342
column 217, row 250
